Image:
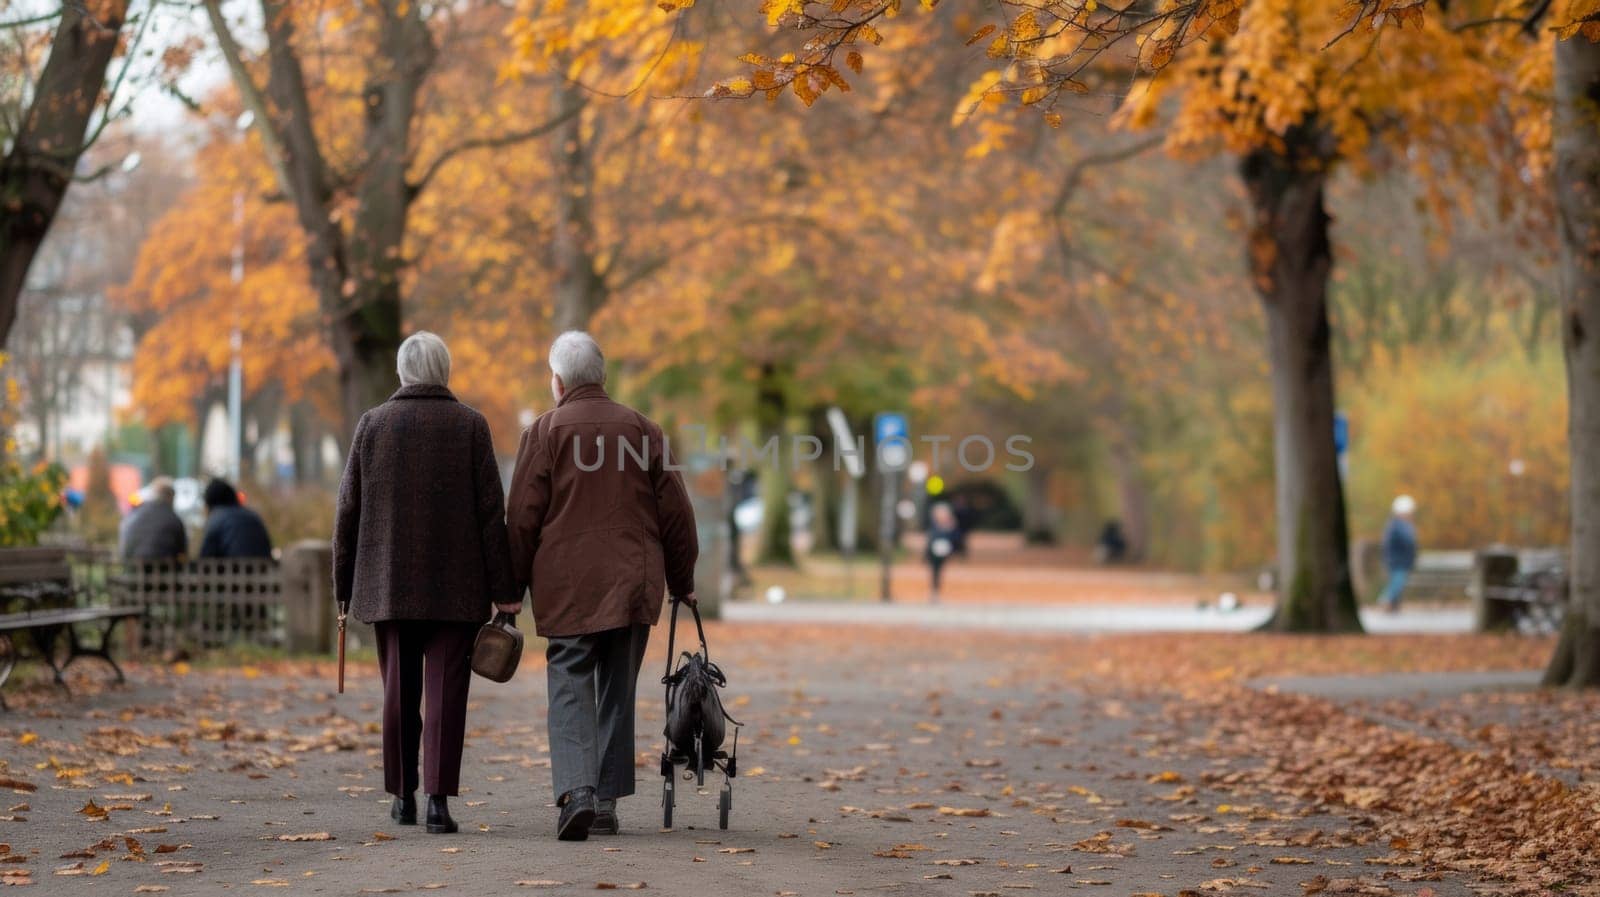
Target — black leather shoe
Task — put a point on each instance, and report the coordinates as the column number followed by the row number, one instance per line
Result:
column 404, row 810
column 605, row 819
column 439, row 821
column 577, row 814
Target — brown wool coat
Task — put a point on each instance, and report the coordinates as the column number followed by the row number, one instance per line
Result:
column 597, row 547
column 419, row 531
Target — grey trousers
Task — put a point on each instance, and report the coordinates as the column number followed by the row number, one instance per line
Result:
column 592, row 682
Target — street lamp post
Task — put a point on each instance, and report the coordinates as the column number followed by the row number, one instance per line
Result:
column 236, row 339
column 235, row 342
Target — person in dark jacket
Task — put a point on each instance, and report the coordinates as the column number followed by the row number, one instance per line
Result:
column 1112, row 547
column 1399, row 551
column 945, row 539
column 420, row 552
column 601, row 527
column 153, row 531
column 232, row 530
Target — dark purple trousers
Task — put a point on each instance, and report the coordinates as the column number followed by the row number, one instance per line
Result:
column 424, row 662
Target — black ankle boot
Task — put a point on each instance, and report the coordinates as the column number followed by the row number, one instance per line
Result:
column 577, row 814
column 439, row 821
column 404, row 810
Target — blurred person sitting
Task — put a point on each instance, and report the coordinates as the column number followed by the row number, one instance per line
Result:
column 945, row 538
column 232, row 530
column 1399, row 551
column 152, row 531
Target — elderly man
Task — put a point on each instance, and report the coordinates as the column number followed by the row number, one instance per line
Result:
column 153, row 531
column 597, row 543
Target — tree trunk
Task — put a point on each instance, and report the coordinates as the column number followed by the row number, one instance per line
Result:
column 1037, row 526
column 1133, row 493
column 771, row 423
column 869, row 492
column 1577, row 187
column 826, row 501
column 305, row 440
column 35, row 175
column 1290, row 259
column 356, row 275
column 580, row 287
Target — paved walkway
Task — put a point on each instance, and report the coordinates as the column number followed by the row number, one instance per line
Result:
column 898, row 761
column 1069, row 618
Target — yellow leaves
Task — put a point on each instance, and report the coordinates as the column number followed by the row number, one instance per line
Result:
column 27, row 738
column 1024, row 27
column 983, row 94
column 1588, row 28
column 777, row 9
column 734, row 87
column 966, row 812
column 854, row 61
column 980, row 34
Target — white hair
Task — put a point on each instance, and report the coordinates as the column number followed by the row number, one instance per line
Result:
column 576, row 358
column 423, row 360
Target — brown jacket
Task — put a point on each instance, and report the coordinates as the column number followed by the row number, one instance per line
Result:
column 598, row 546
column 419, row 532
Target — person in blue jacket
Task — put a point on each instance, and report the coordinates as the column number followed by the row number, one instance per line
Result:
column 232, row 530
column 1399, row 551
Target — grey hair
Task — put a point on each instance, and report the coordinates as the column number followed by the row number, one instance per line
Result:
column 423, row 360
column 576, row 358
column 163, row 490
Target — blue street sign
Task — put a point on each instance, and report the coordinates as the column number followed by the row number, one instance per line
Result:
column 888, row 425
column 1341, row 432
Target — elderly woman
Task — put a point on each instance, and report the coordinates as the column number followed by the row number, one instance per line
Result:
column 420, row 552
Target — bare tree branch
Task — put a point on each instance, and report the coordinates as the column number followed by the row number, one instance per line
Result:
column 497, row 142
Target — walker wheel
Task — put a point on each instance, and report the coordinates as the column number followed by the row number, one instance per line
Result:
column 666, row 803
column 724, row 807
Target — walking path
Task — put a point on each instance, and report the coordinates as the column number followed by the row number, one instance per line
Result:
column 1070, row 618
column 896, row 760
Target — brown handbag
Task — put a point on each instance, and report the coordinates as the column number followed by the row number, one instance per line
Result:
column 498, row 648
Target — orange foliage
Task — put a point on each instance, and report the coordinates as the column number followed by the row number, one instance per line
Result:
column 183, row 283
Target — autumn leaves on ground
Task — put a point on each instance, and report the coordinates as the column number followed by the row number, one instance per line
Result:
column 918, row 762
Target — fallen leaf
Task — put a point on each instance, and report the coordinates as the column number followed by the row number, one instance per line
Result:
column 308, row 836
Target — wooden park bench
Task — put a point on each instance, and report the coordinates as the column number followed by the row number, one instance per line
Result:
column 1525, row 590
column 42, row 604
column 1438, row 575
column 1442, row 575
